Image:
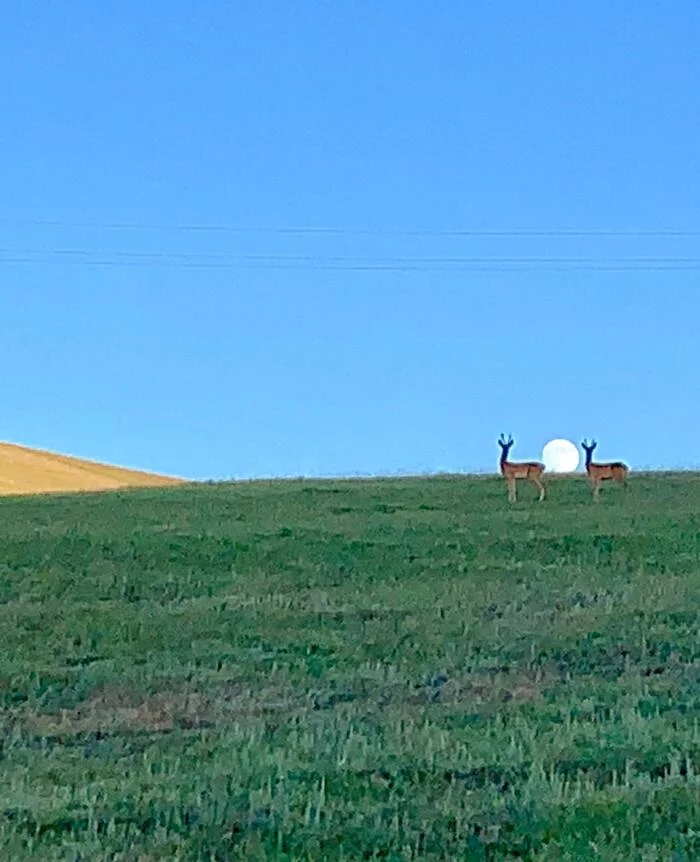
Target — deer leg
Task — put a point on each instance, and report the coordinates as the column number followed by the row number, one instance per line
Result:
column 540, row 485
column 511, row 491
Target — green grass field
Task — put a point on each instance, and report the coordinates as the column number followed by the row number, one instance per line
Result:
column 384, row 669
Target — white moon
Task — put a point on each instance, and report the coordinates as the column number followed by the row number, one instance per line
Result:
column 560, row 456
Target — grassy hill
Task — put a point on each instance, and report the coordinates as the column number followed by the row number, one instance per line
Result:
column 391, row 669
column 33, row 471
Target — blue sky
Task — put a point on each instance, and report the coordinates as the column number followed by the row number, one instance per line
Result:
column 248, row 239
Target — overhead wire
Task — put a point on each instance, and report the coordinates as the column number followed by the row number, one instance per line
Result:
column 365, row 231
column 51, row 256
column 494, row 265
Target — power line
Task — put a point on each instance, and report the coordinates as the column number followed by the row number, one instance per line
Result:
column 167, row 256
column 81, row 257
column 340, row 231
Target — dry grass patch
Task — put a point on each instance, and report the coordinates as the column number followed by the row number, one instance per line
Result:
column 116, row 709
column 485, row 688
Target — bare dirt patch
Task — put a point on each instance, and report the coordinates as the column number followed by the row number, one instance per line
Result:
column 116, row 710
column 484, row 687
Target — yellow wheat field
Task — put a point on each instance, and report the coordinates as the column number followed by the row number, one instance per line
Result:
column 33, row 471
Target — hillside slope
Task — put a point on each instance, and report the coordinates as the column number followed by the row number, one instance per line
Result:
column 33, row 471
column 394, row 669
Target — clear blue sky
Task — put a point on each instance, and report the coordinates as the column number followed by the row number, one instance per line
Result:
column 239, row 352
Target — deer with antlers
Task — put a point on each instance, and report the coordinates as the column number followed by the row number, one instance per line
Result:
column 511, row 471
column 597, row 473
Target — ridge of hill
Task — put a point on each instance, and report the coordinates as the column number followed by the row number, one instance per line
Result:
column 24, row 470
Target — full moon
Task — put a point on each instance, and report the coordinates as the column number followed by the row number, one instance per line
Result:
column 560, row 456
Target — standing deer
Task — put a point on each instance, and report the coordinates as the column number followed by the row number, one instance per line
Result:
column 597, row 473
column 511, row 471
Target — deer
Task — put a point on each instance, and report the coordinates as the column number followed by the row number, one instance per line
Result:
column 511, row 471
column 597, row 473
